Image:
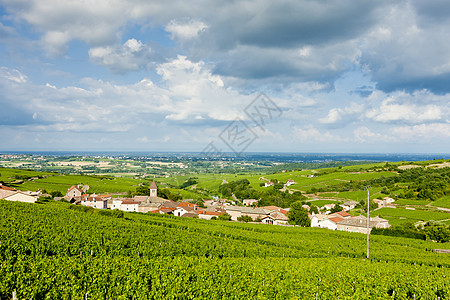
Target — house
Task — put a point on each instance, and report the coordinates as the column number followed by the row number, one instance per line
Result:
column 305, row 206
column 290, row 182
column 330, row 223
column 21, row 197
column 74, row 192
column 279, row 218
column 381, row 223
column 384, row 202
column 181, row 210
column 341, row 214
column 269, row 220
column 94, row 201
column 359, row 224
column 129, row 205
column 6, row 191
column 208, row 214
column 184, row 203
column 249, row 202
column 237, row 211
column 145, row 207
column 349, row 205
column 328, row 206
column 315, row 219
column 269, row 183
column 272, row 208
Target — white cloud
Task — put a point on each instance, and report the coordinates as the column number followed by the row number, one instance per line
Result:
column 401, row 106
column 309, row 134
column 365, row 135
column 433, row 131
column 184, row 31
column 333, row 116
column 132, row 55
column 13, row 75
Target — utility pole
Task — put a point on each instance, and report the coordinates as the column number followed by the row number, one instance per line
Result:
column 368, row 218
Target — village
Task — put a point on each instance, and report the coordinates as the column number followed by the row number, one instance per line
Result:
column 212, row 209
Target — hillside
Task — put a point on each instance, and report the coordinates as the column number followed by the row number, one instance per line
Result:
column 421, row 189
column 53, row 252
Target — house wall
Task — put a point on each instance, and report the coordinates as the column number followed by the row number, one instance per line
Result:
column 327, row 224
column 234, row 214
column 74, row 193
column 129, row 207
column 350, row 228
column 102, row 204
column 21, row 198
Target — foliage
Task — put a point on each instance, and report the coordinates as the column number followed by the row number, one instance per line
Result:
column 298, row 215
column 245, row 218
column 167, row 194
column 142, row 190
column 189, row 182
column 437, row 232
column 400, row 231
column 51, row 252
column 225, row 217
column 336, row 208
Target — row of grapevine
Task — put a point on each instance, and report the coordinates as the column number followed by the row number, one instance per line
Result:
column 51, row 252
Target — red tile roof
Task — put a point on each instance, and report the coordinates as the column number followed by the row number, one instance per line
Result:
column 129, row 202
column 343, row 213
column 7, row 188
column 335, row 219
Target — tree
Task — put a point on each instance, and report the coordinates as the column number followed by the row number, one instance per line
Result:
column 437, row 232
column 142, row 190
column 314, row 209
column 245, row 219
column 56, row 194
column 336, row 208
column 298, row 215
column 225, row 217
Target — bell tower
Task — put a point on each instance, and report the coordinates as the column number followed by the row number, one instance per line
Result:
column 153, row 189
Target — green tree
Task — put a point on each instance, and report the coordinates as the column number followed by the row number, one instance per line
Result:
column 225, row 217
column 437, row 232
column 245, row 219
column 142, row 190
column 314, row 209
column 336, row 208
column 298, row 215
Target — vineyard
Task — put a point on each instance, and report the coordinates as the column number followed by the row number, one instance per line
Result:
column 52, row 252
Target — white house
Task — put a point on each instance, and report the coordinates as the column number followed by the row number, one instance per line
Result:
column 269, row 183
column 315, row 219
column 330, row 223
column 180, row 211
column 290, row 182
column 349, row 205
column 129, row 205
column 95, row 201
column 125, row 205
column 21, row 197
column 74, row 191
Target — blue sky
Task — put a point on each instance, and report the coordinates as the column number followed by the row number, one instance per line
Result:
column 346, row 76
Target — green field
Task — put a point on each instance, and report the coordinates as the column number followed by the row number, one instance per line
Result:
column 442, row 202
column 52, row 252
column 400, row 215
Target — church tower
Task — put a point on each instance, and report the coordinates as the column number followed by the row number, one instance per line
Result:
column 153, row 189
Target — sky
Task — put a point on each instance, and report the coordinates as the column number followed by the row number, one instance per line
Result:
column 225, row 76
